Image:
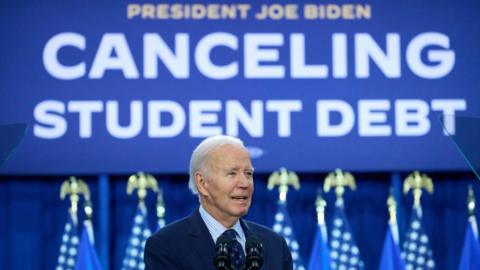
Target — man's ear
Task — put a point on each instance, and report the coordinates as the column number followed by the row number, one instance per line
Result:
column 201, row 183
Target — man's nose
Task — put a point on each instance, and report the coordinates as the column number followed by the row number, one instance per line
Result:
column 244, row 180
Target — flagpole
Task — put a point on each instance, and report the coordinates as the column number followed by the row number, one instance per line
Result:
column 396, row 185
column 160, row 207
column 320, row 205
column 104, row 220
column 471, row 211
column 392, row 211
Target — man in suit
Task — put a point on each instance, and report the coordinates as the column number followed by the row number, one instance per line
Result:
column 221, row 173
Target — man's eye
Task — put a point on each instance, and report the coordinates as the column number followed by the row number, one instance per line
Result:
column 231, row 173
column 249, row 174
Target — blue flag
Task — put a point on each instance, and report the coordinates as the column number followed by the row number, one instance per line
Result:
column 470, row 259
column 136, row 243
column 283, row 226
column 344, row 251
column 87, row 257
column 416, row 248
column 320, row 255
column 391, row 259
column 68, row 248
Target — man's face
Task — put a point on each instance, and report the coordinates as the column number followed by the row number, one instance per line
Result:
column 227, row 185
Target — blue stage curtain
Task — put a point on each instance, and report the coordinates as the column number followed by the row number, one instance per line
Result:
column 32, row 215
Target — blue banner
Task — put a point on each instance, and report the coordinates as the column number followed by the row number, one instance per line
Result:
column 118, row 86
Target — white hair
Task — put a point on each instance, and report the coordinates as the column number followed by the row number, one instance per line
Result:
column 201, row 152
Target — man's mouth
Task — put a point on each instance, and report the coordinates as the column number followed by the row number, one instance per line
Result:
column 239, row 198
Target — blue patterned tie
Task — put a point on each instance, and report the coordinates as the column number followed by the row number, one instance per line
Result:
column 237, row 255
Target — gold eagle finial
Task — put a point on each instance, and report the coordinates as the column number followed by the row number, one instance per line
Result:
column 339, row 180
column 417, row 181
column 283, row 178
column 73, row 188
column 141, row 182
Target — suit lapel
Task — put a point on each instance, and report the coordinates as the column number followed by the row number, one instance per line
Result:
column 201, row 241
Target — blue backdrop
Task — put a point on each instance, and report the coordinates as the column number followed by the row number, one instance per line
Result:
column 143, row 80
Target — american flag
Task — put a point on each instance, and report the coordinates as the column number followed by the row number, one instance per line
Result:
column 344, row 253
column 69, row 246
column 283, row 226
column 416, row 249
column 140, row 232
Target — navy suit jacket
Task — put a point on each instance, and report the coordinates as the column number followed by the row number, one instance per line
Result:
column 187, row 244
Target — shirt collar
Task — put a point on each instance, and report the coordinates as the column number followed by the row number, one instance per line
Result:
column 216, row 228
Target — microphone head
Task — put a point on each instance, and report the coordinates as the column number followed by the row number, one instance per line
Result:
column 222, row 253
column 222, row 239
column 253, row 241
column 253, row 248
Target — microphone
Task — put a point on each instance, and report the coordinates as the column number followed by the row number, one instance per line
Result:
column 254, row 258
column 222, row 253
